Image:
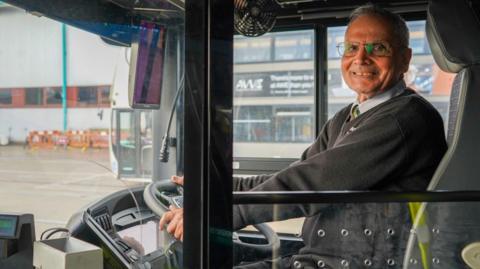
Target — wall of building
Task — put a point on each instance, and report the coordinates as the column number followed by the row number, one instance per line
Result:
column 31, row 53
column 31, row 56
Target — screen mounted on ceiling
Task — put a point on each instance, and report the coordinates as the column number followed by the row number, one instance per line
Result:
column 146, row 66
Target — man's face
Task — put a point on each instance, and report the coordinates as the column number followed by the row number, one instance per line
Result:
column 368, row 74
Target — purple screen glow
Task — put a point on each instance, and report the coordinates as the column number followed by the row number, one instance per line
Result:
column 149, row 69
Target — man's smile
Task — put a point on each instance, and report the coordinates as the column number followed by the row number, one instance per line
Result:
column 363, row 74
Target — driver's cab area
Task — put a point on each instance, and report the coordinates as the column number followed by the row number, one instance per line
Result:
column 219, row 90
column 287, row 84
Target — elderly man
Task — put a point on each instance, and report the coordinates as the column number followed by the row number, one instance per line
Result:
column 390, row 138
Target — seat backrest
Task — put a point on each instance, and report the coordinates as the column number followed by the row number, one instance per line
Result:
column 453, row 31
column 442, row 230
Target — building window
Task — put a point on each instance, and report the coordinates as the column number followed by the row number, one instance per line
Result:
column 253, row 124
column 54, row 95
column 87, row 96
column 5, row 97
column 273, row 115
column 335, row 36
column 247, row 50
column 273, row 124
column 418, row 39
column 91, row 96
column 104, row 95
column 293, row 124
column 34, row 96
column 294, row 46
column 282, row 46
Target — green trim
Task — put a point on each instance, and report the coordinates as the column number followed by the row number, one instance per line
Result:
column 419, row 221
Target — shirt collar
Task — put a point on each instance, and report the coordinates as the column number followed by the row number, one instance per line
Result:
column 384, row 96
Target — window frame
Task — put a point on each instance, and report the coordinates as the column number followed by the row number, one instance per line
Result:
column 259, row 165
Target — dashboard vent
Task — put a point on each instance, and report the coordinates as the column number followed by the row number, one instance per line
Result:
column 104, row 221
column 123, row 246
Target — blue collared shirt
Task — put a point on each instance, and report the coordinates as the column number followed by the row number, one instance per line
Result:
column 375, row 100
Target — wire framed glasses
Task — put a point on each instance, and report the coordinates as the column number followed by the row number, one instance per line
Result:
column 379, row 48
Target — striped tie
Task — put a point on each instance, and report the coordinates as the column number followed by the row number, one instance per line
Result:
column 354, row 112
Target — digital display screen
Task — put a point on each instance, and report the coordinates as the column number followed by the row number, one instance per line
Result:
column 8, row 226
column 144, row 239
column 149, row 65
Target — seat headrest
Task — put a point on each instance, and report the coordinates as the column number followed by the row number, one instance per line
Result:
column 453, row 31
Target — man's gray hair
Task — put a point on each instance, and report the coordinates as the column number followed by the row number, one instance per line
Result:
column 398, row 24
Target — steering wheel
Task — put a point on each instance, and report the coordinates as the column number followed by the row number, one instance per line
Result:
column 159, row 195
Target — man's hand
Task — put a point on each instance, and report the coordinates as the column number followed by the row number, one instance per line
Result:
column 174, row 221
column 177, row 180
column 174, row 218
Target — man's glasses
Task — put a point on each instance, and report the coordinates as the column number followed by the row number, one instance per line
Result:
column 349, row 49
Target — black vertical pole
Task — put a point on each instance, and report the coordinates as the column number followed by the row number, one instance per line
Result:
column 221, row 134
column 208, row 134
column 321, row 80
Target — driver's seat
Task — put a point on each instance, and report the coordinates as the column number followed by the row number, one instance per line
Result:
column 444, row 229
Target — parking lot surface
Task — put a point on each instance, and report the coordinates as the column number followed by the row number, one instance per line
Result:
column 53, row 184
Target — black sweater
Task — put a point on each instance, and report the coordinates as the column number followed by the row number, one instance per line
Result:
column 394, row 146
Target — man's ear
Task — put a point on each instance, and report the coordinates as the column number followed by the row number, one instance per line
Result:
column 406, row 58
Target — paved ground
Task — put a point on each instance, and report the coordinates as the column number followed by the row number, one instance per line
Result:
column 53, row 184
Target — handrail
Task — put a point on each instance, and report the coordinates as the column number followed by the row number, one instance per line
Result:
column 298, row 197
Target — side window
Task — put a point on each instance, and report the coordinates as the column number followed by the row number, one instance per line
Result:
column 424, row 76
column 273, row 94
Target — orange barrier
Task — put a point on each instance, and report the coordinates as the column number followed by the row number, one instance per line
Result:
column 78, row 139
column 62, row 140
column 37, row 139
column 75, row 139
column 99, row 139
column 57, row 138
